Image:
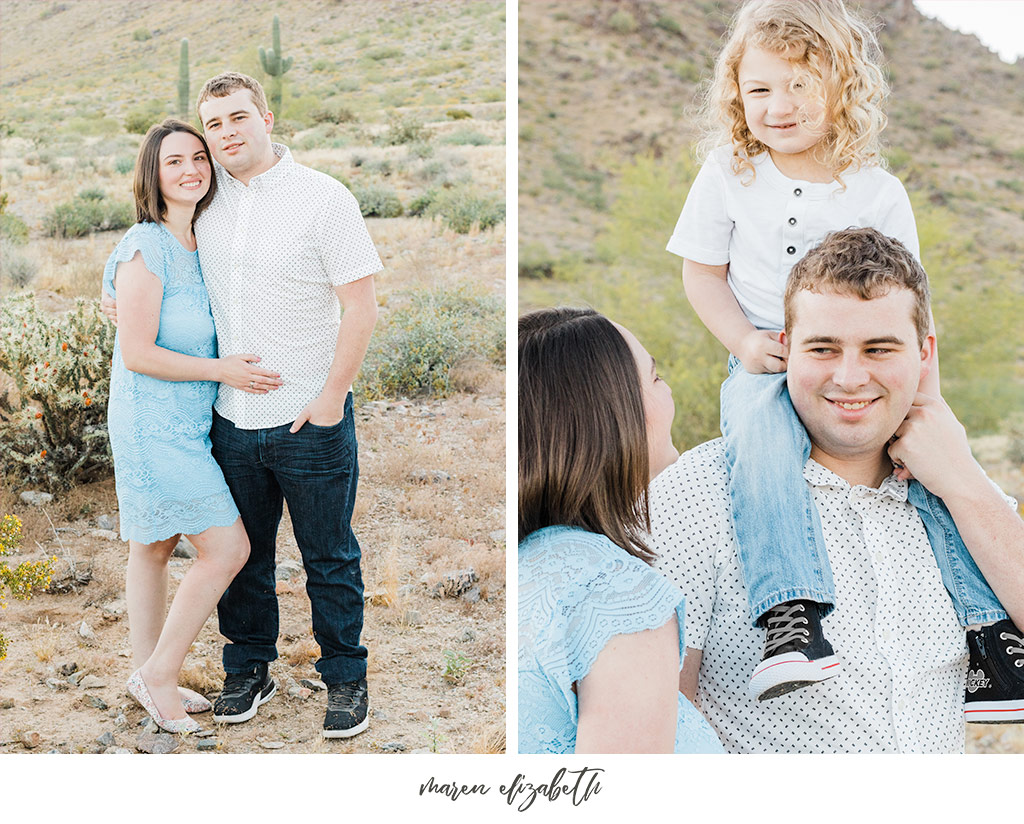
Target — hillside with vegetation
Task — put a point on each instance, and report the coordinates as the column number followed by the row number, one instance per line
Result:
column 608, row 97
column 404, row 102
column 607, row 125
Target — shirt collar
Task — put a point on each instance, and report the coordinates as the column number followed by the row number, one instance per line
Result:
column 279, row 171
column 817, row 475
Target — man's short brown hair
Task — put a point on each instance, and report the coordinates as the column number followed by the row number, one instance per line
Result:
column 865, row 263
column 224, row 84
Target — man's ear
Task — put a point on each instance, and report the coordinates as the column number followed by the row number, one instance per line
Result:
column 783, row 339
column 268, row 119
column 929, row 353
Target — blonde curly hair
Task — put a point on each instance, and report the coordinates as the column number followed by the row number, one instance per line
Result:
column 836, row 60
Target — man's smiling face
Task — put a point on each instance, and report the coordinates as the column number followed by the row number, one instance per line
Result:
column 239, row 136
column 854, row 368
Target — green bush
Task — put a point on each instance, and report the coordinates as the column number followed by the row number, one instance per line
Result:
column 331, row 114
column 88, row 213
column 420, row 150
column 421, row 203
column 668, row 24
column 384, row 53
column 535, row 261
column 622, row 22
column 457, row 114
column 401, row 130
column 462, row 208
column 419, row 343
column 139, row 119
column 141, row 35
column 13, row 228
column 943, row 137
column 14, row 266
column 124, row 165
column 377, row 201
column 466, row 138
column 54, row 434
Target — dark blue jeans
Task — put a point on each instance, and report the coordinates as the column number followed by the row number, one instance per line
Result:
column 316, row 471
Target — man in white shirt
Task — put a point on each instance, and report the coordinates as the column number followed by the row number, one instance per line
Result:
column 281, row 246
column 857, row 330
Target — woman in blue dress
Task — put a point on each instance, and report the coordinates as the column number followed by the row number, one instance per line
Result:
column 600, row 631
column 164, row 379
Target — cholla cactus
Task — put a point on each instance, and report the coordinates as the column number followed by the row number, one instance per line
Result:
column 24, row 578
column 54, row 433
column 275, row 65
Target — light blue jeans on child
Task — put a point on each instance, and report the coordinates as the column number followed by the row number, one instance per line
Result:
column 781, row 548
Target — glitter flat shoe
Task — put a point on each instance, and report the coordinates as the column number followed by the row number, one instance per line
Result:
column 137, row 689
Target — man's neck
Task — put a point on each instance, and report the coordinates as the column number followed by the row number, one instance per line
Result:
column 859, row 471
column 266, row 163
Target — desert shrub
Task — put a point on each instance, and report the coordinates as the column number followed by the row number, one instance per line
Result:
column 457, row 114
column 139, row 119
column 897, row 158
column 668, row 24
column 461, row 208
column 124, row 165
column 384, row 167
column 943, row 137
column 25, row 577
column 418, row 344
column 535, row 261
column 331, row 114
column 90, row 211
column 377, row 201
column 622, row 22
column 466, row 137
column 421, row 203
column 404, row 130
column 1013, row 428
column 53, row 434
column 687, row 70
column 384, row 53
column 141, row 35
column 13, row 228
column 14, row 266
column 420, row 150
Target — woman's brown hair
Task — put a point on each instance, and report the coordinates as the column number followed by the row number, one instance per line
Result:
column 583, row 455
column 149, row 201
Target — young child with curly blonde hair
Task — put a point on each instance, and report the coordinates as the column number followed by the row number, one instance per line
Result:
column 795, row 113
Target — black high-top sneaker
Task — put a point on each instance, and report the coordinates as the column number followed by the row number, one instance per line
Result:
column 995, row 677
column 796, row 653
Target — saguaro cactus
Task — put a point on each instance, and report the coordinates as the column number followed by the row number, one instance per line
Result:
column 183, row 96
column 275, row 65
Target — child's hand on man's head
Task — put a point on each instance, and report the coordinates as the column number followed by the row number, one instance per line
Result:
column 762, row 352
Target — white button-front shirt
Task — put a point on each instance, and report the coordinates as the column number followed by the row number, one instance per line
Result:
column 903, row 652
column 271, row 254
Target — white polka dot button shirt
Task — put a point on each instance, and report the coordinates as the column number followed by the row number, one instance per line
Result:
column 904, row 654
column 272, row 253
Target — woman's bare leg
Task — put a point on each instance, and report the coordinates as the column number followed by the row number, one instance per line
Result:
column 222, row 552
column 146, row 594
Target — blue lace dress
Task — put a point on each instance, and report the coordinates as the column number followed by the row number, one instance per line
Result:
column 166, row 478
column 576, row 591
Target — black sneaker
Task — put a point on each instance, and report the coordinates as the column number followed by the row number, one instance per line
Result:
column 347, row 706
column 796, row 653
column 243, row 692
column 995, row 677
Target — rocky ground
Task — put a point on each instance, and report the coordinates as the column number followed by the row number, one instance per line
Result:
column 430, row 518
